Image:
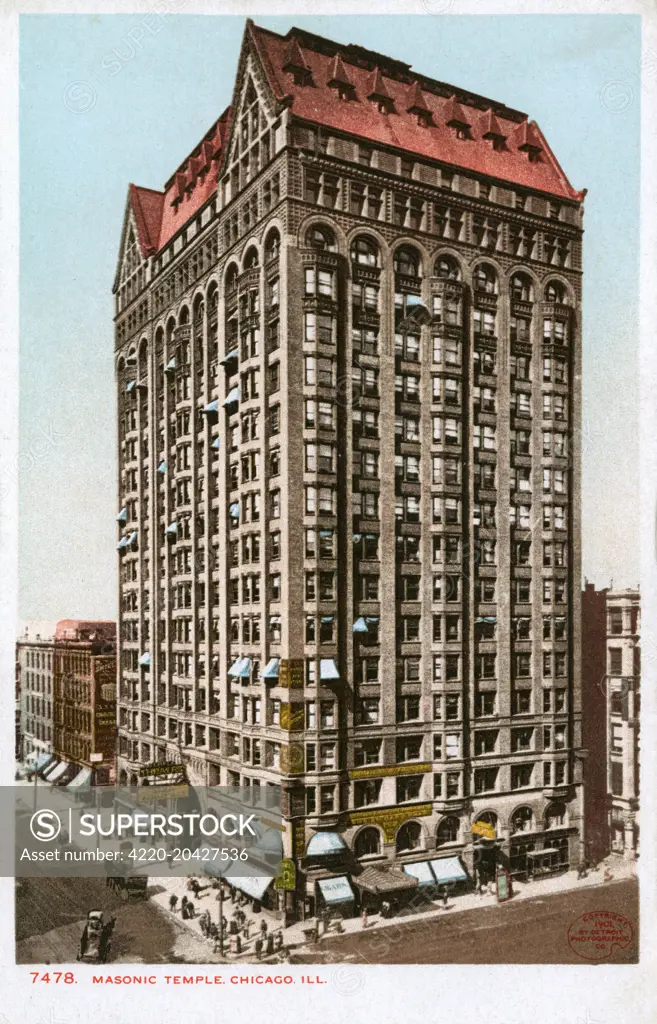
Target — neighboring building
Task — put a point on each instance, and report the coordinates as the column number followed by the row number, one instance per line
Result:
column 594, row 721
column 348, row 363
column 84, row 690
column 623, row 708
column 611, row 692
column 34, row 692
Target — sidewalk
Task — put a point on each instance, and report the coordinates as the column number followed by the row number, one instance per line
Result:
column 294, row 937
column 208, row 900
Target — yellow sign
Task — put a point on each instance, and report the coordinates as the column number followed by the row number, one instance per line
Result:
column 287, row 879
column 483, row 829
column 291, row 673
column 397, row 769
column 390, row 819
column 152, row 794
column 292, row 717
column 298, row 839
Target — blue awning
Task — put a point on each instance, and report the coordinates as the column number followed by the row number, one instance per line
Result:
column 145, row 658
column 171, row 365
column 122, row 544
column 336, row 890
column 41, row 762
column 240, row 669
column 234, row 509
column 233, row 354
column 122, row 516
column 328, row 669
column 57, row 772
column 216, row 443
column 132, row 539
column 271, row 670
column 416, row 310
column 162, row 468
column 172, row 529
column 211, row 407
column 359, row 626
column 486, row 618
column 232, row 396
column 448, row 869
column 131, row 385
column 328, row 618
column 356, row 537
column 323, row 843
column 422, row 871
column 255, row 886
column 371, row 618
column 81, row 779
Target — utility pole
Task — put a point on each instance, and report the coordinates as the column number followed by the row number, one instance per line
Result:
column 220, row 899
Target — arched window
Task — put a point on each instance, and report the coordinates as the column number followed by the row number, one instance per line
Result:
column 409, row 836
column 521, row 288
column 184, row 316
column 251, row 258
column 522, row 820
column 231, row 278
column 447, row 269
column 365, row 250
column 555, row 292
column 368, row 843
column 272, row 245
column 486, row 818
column 199, row 309
column 556, row 816
column 447, row 831
column 321, row 237
column 407, row 261
column 485, row 279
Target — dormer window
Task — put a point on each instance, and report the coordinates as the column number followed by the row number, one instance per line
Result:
column 379, row 94
column 528, row 141
column 295, row 64
column 492, row 130
column 416, row 104
column 340, row 80
column 456, row 118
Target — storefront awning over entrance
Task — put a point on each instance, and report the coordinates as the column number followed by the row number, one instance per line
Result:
column 539, row 853
column 57, row 772
column 377, row 880
column 422, row 871
column 80, row 780
column 448, row 869
column 50, row 769
column 336, row 890
column 42, row 761
column 323, row 843
column 256, row 887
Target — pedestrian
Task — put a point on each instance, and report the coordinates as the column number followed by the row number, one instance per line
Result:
column 270, row 944
column 246, row 929
column 190, row 909
column 385, row 909
column 364, row 917
column 173, row 901
column 258, row 947
column 232, row 927
column 232, row 895
column 183, row 908
column 279, row 940
column 263, row 927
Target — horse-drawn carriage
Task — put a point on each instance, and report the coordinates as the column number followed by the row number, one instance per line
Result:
column 95, row 943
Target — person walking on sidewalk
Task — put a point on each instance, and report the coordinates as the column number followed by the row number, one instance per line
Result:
column 173, row 902
column 364, row 918
column 263, row 928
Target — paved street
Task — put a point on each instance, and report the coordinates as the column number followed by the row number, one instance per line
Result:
column 51, row 912
column 528, row 931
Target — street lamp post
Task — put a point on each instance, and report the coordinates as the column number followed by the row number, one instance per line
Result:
column 220, row 899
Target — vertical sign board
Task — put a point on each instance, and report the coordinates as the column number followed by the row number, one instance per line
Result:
column 503, row 886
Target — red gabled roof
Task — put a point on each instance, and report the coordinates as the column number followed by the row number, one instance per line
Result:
column 398, row 126
column 372, row 76
column 147, row 207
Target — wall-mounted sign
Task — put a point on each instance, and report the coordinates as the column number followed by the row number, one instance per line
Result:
column 396, row 769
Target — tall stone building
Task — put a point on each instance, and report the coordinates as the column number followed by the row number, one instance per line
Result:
column 348, row 386
column 623, row 700
column 34, row 673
